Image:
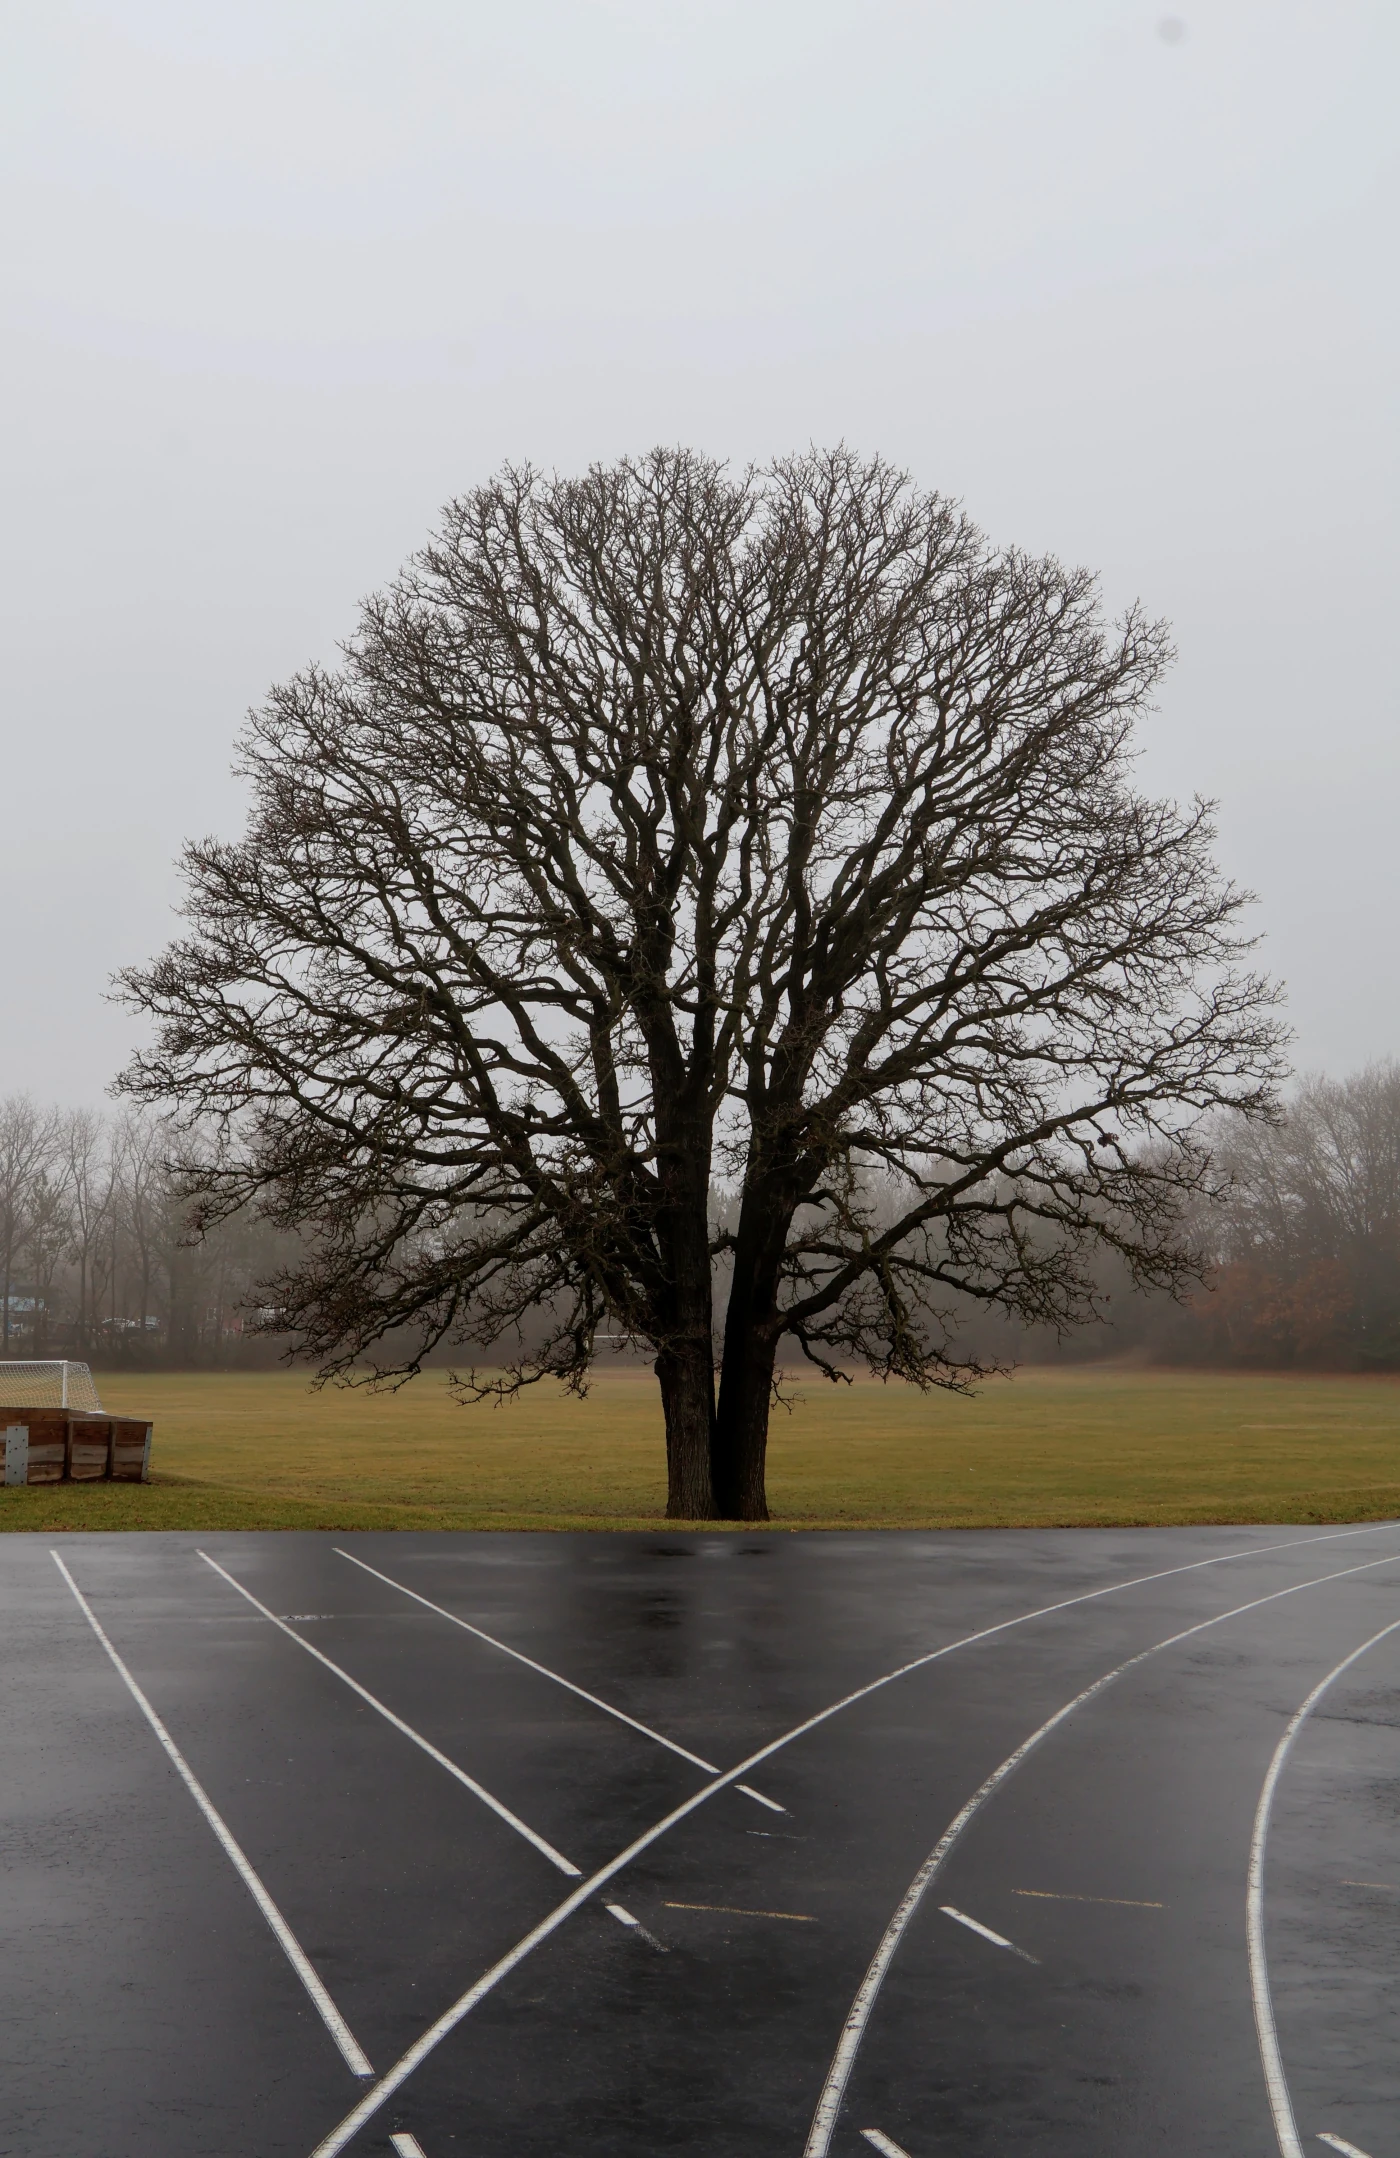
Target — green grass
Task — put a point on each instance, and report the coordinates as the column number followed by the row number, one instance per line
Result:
column 1046, row 1448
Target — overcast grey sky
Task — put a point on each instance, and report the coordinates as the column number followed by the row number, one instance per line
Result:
column 281, row 278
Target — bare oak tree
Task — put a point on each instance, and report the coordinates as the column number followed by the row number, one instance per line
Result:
column 693, row 879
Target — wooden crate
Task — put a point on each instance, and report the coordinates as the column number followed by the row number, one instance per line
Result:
column 54, row 1446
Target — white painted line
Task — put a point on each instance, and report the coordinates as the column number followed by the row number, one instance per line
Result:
column 346, row 2130
column 771, row 1803
column 407, row 2146
column 886, row 2145
column 557, row 1677
column 513, row 1820
column 853, row 2031
column 286, row 1940
column 1281, row 2104
column 543, row 1669
column 624, row 1918
column 977, row 1927
column 1340, row 2143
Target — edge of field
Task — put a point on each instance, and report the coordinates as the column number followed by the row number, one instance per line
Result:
column 171, row 1503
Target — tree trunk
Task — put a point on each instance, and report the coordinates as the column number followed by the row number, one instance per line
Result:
column 686, row 1373
column 751, row 1335
column 746, row 1373
column 741, row 1427
column 685, row 1361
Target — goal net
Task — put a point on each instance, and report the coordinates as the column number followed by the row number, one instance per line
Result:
column 47, row 1386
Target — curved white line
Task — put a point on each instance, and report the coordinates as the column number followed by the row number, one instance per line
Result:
column 403, row 2068
column 286, row 1940
column 1280, row 2103
column 478, row 1790
column 853, row 2030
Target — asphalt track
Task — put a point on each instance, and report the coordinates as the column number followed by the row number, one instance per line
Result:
column 412, row 1893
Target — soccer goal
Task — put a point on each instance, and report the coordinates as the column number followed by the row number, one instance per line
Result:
column 60, row 1385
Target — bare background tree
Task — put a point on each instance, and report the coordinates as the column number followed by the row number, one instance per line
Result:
column 102, row 1263
column 1302, row 1240
column 691, row 878
column 27, row 1145
column 1307, row 1249
column 90, row 1170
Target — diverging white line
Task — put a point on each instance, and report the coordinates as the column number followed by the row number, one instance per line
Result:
column 286, row 1940
column 332, row 2144
column 853, row 2030
column 1280, row 2103
column 1340, row 2143
column 512, row 1820
column 557, row 1677
column 886, row 2145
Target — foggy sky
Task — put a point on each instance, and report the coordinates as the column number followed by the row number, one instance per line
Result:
column 281, row 278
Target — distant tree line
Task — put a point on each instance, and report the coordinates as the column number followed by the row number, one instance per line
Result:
column 1303, row 1254
column 1300, row 1253
column 1307, row 1251
column 96, row 1259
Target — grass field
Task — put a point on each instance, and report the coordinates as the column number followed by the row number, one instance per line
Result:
column 1046, row 1448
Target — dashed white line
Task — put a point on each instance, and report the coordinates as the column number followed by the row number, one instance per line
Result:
column 394, row 2078
column 771, row 1803
column 634, row 1925
column 325, row 2007
column 1280, row 2103
column 595, row 1700
column 1340, row 2143
column 512, row 1820
column 976, row 1926
column 886, row 2145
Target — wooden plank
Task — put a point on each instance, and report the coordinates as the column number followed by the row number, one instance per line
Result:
column 47, row 1446
column 88, row 1446
column 131, row 1437
column 46, row 1459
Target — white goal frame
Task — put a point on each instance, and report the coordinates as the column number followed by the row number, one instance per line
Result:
column 74, row 1383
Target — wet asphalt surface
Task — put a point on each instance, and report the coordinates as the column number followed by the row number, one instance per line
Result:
column 148, row 2011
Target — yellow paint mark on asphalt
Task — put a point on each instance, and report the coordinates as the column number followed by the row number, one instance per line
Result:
column 734, row 1910
column 1128, row 1903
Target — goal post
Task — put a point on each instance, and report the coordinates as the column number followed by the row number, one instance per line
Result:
column 57, row 1384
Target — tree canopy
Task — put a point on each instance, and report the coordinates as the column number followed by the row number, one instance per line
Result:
column 710, row 908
